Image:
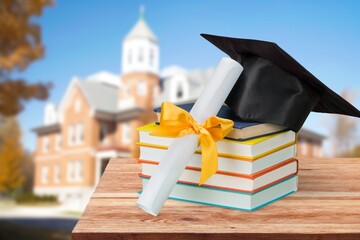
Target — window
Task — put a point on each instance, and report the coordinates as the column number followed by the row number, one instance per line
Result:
column 126, row 133
column 304, row 148
column 129, row 57
column 78, row 170
column 70, row 171
column 57, row 174
column 79, row 133
column 141, row 55
column 75, row 171
column 78, row 105
column 179, row 92
column 44, row 174
column 76, row 134
column 45, row 144
column 141, row 89
column 151, row 57
column 58, row 142
column 71, row 135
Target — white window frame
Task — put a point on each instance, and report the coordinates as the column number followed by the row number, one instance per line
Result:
column 70, row 171
column 79, row 172
column 151, row 57
column 44, row 174
column 126, row 131
column 141, row 88
column 57, row 173
column 58, row 142
column 71, row 135
column 75, row 171
column 130, row 57
column 45, row 144
column 79, row 133
column 141, row 57
column 304, row 148
column 76, row 134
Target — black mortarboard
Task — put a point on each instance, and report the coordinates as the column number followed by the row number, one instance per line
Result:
column 274, row 87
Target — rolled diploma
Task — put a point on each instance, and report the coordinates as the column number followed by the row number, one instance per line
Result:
column 182, row 149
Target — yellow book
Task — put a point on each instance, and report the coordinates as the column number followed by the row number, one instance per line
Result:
column 246, row 150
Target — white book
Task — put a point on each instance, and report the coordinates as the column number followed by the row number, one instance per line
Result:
column 227, row 164
column 234, row 181
column 250, row 149
column 232, row 199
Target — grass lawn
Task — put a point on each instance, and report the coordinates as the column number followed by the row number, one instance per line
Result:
column 10, row 231
column 7, row 204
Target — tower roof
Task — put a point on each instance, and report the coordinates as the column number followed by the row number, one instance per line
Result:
column 141, row 29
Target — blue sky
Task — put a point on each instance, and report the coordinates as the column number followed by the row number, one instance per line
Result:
column 84, row 37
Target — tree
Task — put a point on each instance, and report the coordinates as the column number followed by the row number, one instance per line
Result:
column 356, row 152
column 11, row 156
column 344, row 130
column 27, row 168
column 20, row 45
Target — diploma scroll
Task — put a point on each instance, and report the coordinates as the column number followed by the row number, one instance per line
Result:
column 182, row 149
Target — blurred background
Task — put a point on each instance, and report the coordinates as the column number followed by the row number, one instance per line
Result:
column 78, row 77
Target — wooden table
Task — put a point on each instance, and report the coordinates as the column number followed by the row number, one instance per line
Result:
column 327, row 206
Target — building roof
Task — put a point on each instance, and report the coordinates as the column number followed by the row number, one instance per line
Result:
column 55, row 127
column 196, row 79
column 141, row 30
column 172, row 71
column 103, row 99
column 101, row 96
column 310, row 135
column 105, row 77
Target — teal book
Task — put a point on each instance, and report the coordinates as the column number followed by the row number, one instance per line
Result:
column 231, row 199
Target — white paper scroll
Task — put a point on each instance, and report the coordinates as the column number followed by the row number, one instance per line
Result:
column 182, row 149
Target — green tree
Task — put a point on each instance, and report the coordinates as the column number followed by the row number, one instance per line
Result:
column 20, row 45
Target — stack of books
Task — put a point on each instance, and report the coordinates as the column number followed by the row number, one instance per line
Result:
column 256, row 165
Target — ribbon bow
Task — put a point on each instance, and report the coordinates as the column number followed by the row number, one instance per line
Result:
column 176, row 122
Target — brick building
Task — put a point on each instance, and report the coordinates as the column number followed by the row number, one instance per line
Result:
column 309, row 144
column 96, row 120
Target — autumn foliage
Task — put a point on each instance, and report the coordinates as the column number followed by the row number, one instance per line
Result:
column 20, row 45
column 11, row 156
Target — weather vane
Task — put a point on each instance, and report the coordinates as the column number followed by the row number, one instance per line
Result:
column 142, row 11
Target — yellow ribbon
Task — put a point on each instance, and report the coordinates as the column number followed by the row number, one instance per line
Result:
column 176, row 122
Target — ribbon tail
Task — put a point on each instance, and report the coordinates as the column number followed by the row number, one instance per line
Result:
column 226, row 126
column 209, row 158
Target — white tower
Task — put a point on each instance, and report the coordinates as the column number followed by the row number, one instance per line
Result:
column 140, row 50
column 140, row 67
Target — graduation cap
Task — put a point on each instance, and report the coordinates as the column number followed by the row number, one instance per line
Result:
column 274, row 87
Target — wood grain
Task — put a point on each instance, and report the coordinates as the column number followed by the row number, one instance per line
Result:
column 327, row 206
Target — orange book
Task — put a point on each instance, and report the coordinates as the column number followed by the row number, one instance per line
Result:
column 226, row 180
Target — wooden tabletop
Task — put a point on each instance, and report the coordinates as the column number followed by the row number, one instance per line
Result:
column 327, row 206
